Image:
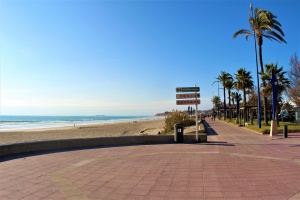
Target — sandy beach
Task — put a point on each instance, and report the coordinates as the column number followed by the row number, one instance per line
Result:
column 147, row 127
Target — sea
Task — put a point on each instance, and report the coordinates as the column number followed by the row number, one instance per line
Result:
column 9, row 122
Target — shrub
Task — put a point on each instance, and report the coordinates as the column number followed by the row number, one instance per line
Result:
column 177, row 117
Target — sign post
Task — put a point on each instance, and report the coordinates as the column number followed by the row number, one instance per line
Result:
column 196, row 113
column 188, row 99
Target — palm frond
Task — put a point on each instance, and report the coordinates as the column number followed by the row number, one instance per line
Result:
column 242, row 31
column 271, row 38
column 274, row 36
column 277, row 28
column 275, row 22
column 247, row 35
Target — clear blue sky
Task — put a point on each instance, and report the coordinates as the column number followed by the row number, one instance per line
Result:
column 64, row 57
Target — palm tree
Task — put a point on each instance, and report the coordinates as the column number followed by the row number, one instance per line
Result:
column 232, row 94
column 243, row 82
column 215, row 100
column 229, row 83
column 223, row 78
column 263, row 25
column 283, row 82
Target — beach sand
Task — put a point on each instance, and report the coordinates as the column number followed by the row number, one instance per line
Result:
column 147, row 127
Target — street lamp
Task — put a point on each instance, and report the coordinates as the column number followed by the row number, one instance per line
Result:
column 219, row 99
column 258, row 90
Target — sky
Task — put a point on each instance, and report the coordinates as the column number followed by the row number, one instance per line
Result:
column 126, row 57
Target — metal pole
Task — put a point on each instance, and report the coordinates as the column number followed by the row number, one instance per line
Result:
column 218, row 99
column 219, row 102
column 258, row 90
column 196, row 113
column 285, row 131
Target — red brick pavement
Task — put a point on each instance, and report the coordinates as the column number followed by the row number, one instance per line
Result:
column 234, row 164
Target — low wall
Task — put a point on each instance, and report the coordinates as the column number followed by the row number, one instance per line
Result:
column 26, row 147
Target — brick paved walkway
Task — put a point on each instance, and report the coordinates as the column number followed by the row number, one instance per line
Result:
column 235, row 164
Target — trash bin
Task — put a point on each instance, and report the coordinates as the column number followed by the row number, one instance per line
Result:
column 178, row 133
column 285, row 131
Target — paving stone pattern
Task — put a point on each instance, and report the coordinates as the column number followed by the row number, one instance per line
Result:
column 234, row 164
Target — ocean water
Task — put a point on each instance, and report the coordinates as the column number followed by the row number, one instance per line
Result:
column 36, row 122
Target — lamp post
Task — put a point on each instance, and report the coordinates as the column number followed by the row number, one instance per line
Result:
column 219, row 98
column 257, row 76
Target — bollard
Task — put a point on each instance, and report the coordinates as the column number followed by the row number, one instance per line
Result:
column 285, row 131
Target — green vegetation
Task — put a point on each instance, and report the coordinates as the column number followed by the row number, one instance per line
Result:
column 243, row 82
column 177, row 117
column 225, row 79
column 265, row 128
column 215, row 100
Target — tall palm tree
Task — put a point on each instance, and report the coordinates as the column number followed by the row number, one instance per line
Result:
column 283, row 82
column 223, row 78
column 243, row 82
column 263, row 25
column 232, row 94
column 229, row 83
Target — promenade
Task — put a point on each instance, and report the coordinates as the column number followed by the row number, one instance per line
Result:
column 234, row 164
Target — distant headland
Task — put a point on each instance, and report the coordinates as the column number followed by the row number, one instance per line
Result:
column 163, row 114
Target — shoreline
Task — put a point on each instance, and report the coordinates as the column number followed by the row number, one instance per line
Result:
column 20, row 123
column 112, row 129
column 67, row 127
column 50, row 125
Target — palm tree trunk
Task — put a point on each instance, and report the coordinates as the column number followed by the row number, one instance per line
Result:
column 259, row 43
column 229, row 103
column 245, row 109
column 224, row 104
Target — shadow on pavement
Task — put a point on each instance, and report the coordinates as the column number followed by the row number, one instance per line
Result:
column 297, row 145
column 38, row 153
column 209, row 130
column 45, row 152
